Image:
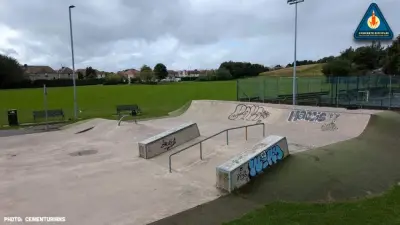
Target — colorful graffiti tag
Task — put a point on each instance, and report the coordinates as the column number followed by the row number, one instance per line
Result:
column 267, row 158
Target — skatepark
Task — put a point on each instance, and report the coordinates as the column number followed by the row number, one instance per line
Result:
column 92, row 172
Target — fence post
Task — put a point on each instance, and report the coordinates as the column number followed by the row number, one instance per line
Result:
column 201, row 151
column 390, row 91
column 264, row 89
column 337, row 94
column 237, row 90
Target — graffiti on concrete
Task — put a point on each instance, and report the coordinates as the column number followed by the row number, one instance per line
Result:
column 329, row 127
column 331, row 124
column 167, row 145
column 267, row 158
column 249, row 113
column 243, row 175
column 329, row 118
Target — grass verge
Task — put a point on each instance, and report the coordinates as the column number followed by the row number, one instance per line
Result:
column 378, row 210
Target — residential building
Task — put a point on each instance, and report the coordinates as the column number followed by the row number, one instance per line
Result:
column 65, row 73
column 129, row 73
column 39, row 73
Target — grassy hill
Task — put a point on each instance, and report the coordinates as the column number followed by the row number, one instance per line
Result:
column 306, row 70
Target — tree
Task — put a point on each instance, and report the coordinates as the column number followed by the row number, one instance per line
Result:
column 90, row 73
column 160, row 71
column 146, row 74
column 223, row 74
column 80, row 75
column 337, row 67
column 243, row 69
column 10, row 71
column 392, row 61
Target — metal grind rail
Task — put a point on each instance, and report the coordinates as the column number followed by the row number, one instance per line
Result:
column 227, row 141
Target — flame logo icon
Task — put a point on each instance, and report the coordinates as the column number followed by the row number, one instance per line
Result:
column 373, row 21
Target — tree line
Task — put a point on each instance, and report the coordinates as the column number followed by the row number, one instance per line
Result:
column 366, row 59
column 351, row 61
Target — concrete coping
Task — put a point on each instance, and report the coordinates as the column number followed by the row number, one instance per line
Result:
column 245, row 156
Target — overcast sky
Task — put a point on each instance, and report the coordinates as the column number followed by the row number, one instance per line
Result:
column 113, row 35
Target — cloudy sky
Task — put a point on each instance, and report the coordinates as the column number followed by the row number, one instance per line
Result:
column 113, row 35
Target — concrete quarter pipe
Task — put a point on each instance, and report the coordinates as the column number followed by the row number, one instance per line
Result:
column 113, row 185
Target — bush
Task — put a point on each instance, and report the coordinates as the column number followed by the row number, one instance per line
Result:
column 188, row 78
column 337, row 67
column 113, row 80
column 52, row 83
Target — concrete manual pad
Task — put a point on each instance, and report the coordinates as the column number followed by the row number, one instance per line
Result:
column 97, row 177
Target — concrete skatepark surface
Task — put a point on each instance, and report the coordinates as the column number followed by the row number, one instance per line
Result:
column 97, row 177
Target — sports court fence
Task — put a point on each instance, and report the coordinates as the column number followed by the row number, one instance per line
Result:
column 369, row 91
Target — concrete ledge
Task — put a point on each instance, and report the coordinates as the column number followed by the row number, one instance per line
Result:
column 168, row 140
column 239, row 170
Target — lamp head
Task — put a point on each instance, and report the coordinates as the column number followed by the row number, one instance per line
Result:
column 71, row 6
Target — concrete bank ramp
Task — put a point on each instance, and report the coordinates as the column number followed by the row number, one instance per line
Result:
column 299, row 124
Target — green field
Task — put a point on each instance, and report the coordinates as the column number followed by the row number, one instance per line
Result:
column 100, row 101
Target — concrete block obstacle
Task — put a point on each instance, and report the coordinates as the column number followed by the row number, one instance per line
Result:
column 239, row 170
column 168, row 140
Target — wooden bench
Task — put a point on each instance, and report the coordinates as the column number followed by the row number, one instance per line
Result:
column 133, row 109
column 51, row 113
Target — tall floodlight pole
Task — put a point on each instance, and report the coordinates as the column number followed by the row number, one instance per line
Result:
column 73, row 62
column 295, row 2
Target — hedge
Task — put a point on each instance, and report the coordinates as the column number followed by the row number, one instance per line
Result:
column 52, row 83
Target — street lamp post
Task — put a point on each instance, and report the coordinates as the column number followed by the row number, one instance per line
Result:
column 295, row 2
column 73, row 62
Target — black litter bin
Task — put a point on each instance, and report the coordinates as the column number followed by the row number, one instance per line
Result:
column 133, row 112
column 12, row 117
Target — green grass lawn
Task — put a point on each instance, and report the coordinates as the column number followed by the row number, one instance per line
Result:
column 379, row 210
column 100, row 101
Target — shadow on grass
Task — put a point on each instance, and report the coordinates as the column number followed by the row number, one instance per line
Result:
column 360, row 167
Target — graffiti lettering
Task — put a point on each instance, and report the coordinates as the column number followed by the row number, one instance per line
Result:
column 267, row 158
column 311, row 116
column 249, row 113
column 243, row 175
column 316, row 116
column 167, row 145
column 329, row 127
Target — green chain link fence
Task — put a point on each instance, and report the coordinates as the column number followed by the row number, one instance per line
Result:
column 374, row 91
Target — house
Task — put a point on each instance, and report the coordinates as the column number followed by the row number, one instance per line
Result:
column 65, row 73
column 129, row 73
column 39, row 73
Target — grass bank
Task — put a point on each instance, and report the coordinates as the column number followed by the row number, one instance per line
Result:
column 305, row 70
